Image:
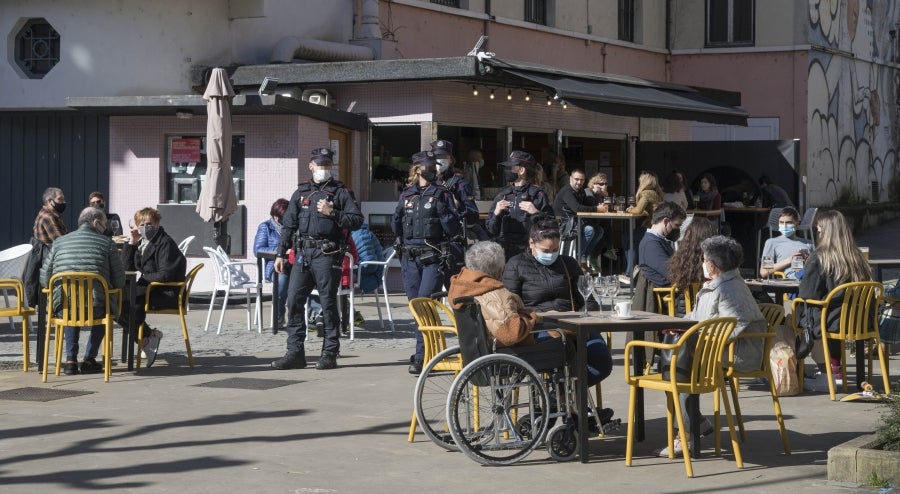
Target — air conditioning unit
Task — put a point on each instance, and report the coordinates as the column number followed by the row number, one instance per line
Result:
column 316, row 96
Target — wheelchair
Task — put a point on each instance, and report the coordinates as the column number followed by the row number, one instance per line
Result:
column 505, row 402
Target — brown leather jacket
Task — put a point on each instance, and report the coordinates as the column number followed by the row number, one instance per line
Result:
column 506, row 318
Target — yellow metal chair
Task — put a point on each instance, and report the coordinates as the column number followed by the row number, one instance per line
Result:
column 706, row 376
column 666, row 298
column 427, row 313
column 18, row 310
column 858, row 321
column 184, row 292
column 75, row 291
column 774, row 314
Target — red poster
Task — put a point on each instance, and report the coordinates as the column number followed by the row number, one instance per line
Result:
column 185, row 150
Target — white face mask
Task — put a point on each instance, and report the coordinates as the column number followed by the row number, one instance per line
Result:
column 321, row 175
column 442, row 165
column 706, row 274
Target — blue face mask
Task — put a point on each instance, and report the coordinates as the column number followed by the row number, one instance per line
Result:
column 787, row 230
column 546, row 258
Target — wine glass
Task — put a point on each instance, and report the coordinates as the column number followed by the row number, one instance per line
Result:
column 768, row 263
column 612, row 289
column 600, row 291
column 115, row 226
column 585, row 288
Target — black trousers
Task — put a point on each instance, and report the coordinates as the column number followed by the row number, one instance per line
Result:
column 321, row 272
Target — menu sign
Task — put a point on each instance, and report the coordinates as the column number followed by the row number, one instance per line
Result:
column 185, row 150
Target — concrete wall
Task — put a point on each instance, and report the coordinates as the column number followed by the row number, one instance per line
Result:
column 141, row 48
column 778, row 23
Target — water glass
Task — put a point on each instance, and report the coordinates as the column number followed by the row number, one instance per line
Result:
column 768, row 263
column 115, row 227
column 600, row 292
column 585, row 287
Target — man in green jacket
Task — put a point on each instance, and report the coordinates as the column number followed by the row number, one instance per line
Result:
column 86, row 249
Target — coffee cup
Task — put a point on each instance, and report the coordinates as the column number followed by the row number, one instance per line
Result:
column 623, row 309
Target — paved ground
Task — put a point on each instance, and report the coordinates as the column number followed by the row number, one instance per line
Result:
column 171, row 428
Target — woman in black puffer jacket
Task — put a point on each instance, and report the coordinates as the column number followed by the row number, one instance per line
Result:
column 548, row 281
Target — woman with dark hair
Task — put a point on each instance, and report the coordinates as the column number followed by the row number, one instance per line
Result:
column 710, row 198
column 268, row 235
column 685, row 265
column 546, row 280
column 673, row 190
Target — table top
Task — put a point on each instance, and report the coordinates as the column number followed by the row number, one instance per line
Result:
column 705, row 212
column 642, row 321
column 885, row 262
column 775, row 282
column 611, row 215
column 746, row 209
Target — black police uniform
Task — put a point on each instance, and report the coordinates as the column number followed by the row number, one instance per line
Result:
column 425, row 220
column 511, row 227
column 318, row 241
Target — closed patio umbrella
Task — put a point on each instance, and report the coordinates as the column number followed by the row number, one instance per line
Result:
column 217, row 199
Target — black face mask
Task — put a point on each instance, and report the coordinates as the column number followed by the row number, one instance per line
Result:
column 674, row 235
column 429, row 175
column 510, row 176
column 59, row 207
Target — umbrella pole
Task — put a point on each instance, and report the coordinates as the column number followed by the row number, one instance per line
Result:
column 220, row 235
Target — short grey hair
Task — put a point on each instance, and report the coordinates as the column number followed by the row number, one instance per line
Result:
column 723, row 251
column 50, row 193
column 487, row 257
column 89, row 215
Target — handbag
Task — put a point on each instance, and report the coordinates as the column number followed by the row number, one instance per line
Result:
column 807, row 336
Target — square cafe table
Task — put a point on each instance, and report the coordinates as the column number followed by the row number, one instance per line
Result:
column 583, row 326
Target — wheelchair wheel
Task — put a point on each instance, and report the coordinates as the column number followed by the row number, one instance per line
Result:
column 562, row 442
column 487, row 409
column 430, row 398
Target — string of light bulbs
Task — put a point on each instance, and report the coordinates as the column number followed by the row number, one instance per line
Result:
column 509, row 96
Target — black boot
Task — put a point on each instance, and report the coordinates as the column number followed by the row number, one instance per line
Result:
column 290, row 361
column 327, row 361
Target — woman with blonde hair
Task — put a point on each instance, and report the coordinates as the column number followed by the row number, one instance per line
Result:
column 647, row 197
column 413, row 174
column 836, row 260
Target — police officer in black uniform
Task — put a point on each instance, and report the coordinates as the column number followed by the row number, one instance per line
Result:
column 463, row 199
column 314, row 225
column 425, row 220
column 509, row 219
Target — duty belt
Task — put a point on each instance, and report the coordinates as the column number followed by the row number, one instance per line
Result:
column 317, row 243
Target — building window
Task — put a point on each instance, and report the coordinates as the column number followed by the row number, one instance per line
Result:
column 186, row 167
column 37, row 48
column 447, row 3
column 729, row 22
column 536, row 11
column 626, row 20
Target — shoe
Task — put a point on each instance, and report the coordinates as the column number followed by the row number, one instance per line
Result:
column 311, row 320
column 624, row 280
column 611, row 254
column 71, row 368
column 90, row 366
column 149, row 331
column 327, row 361
column 151, row 348
column 605, row 416
column 679, row 450
column 415, row 367
column 358, row 318
column 280, row 322
column 289, row 361
column 320, row 333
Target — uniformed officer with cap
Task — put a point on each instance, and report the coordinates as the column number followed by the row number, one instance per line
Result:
column 463, row 198
column 424, row 221
column 509, row 219
column 319, row 213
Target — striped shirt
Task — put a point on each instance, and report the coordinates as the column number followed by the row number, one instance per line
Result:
column 48, row 226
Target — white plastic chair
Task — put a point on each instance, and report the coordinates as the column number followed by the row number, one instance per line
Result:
column 806, row 224
column 183, row 246
column 389, row 253
column 229, row 276
column 12, row 264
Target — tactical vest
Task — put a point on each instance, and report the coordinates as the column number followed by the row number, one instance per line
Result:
column 515, row 223
column 422, row 214
column 309, row 222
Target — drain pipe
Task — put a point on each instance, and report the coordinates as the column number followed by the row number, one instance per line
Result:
column 289, row 48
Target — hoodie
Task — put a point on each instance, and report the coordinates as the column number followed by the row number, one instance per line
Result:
column 505, row 316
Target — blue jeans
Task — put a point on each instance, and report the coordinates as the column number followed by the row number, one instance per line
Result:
column 599, row 360
column 93, row 345
column 590, row 238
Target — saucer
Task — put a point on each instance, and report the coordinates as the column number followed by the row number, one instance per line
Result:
column 629, row 316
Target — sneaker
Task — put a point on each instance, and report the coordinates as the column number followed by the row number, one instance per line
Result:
column 290, row 361
column 415, row 367
column 90, row 366
column 71, row 368
column 624, row 280
column 677, row 447
column 705, row 427
column 149, row 330
column 311, row 320
column 151, row 347
column 358, row 318
column 327, row 361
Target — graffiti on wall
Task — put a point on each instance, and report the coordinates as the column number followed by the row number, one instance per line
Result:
column 853, row 106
